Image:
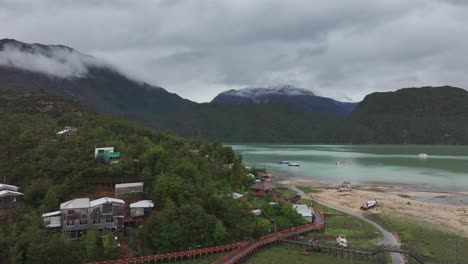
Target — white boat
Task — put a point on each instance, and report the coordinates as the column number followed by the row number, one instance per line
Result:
column 284, row 162
column 369, row 204
column 423, row 156
column 292, row 164
column 345, row 187
column 341, row 241
column 342, row 163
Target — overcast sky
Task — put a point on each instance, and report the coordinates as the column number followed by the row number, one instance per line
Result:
column 198, row 48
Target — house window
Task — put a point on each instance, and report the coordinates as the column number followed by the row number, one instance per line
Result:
column 70, row 223
column 109, row 220
column 96, row 210
column 107, row 208
column 83, row 221
column 96, row 221
column 71, row 212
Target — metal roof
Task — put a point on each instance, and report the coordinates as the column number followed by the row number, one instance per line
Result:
column 262, row 186
column 131, row 184
column 65, row 130
column 303, row 209
column 142, row 204
column 108, row 153
column 5, row 193
column 75, row 204
column 236, row 195
column 56, row 213
column 104, row 200
column 8, row 187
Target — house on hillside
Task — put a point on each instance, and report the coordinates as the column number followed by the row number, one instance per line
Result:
column 78, row 215
column 194, row 151
column 305, row 211
column 52, row 220
column 262, row 188
column 108, row 154
column 237, row 196
column 10, row 198
column 68, row 132
column 141, row 208
column 126, row 188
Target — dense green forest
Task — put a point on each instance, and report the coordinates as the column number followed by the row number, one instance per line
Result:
column 191, row 192
column 427, row 115
column 251, row 123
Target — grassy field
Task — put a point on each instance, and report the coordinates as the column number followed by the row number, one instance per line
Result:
column 307, row 190
column 424, row 238
column 287, row 193
column 292, row 255
column 359, row 233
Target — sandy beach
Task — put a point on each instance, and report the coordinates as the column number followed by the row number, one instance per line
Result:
column 448, row 210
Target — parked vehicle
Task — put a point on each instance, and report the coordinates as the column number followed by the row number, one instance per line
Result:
column 369, row 204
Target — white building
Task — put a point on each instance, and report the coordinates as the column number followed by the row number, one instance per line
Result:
column 78, row 215
column 52, row 219
column 126, row 188
column 257, row 212
column 305, row 211
column 141, row 208
column 101, row 151
column 236, row 196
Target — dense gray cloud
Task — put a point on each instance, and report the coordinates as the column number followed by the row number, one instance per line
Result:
column 58, row 62
column 198, row 48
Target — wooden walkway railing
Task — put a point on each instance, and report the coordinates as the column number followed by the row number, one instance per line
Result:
column 242, row 253
column 174, row 256
column 239, row 250
column 354, row 251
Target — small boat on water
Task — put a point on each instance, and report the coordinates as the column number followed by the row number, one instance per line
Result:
column 283, row 162
column 342, row 163
column 423, row 156
column 369, row 204
column 292, row 164
column 341, row 241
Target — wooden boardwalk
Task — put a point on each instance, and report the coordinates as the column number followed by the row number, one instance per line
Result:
column 242, row 253
column 353, row 252
column 239, row 251
column 174, row 256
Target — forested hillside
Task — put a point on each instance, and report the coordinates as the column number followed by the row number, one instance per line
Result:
column 190, row 191
column 427, row 115
column 251, row 123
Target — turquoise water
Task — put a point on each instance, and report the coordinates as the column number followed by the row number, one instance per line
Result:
column 446, row 168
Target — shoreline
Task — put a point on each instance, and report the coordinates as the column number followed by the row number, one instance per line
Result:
column 446, row 210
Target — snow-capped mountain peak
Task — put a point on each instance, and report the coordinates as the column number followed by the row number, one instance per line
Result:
column 286, row 90
column 285, row 94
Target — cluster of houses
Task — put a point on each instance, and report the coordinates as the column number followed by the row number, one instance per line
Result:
column 263, row 188
column 106, row 213
column 10, row 198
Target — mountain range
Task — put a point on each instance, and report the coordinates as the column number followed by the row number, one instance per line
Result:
column 285, row 94
column 428, row 115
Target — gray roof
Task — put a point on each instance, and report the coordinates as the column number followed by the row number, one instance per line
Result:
column 56, row 213
column 142, row 204
column 262, row 186
column 75, row 204
column 6, row 193
column 105, row 200
column 131, row 184
column 8, row 187
column 303, row 209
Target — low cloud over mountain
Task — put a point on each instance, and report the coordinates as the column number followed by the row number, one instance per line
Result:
column 56, row 61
